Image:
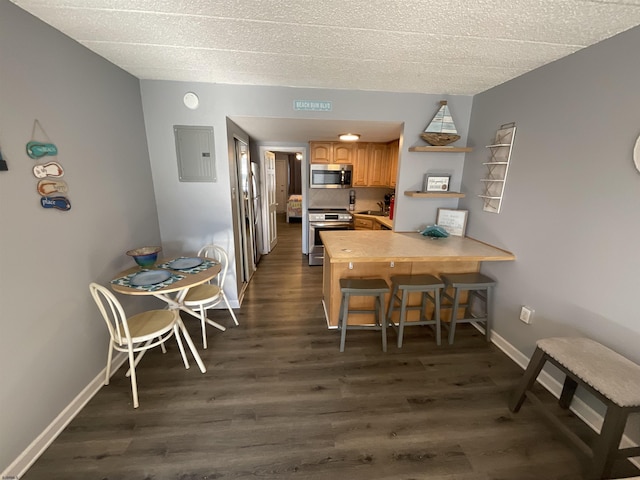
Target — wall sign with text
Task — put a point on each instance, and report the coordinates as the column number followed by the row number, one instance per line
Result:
column 453, row 221
column 312, row 105
column 436, row 183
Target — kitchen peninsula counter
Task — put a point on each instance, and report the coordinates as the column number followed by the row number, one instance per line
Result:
column 382, row 253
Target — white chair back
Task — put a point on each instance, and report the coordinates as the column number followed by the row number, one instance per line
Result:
column 112, row 312
column 207, row 296
column 220, row 254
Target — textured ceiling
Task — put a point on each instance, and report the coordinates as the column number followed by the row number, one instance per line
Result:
column 456, row 47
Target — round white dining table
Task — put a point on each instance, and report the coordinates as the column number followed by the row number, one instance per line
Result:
column 174, row 294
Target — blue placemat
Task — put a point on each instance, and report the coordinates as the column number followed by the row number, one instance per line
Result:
column 126, row 282
column 206, row 264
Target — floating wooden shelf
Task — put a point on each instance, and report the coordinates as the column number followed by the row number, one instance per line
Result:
column 416, row 194
column 431, row 148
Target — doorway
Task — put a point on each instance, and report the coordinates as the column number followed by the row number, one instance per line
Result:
column 280, row 187
column 288, row 177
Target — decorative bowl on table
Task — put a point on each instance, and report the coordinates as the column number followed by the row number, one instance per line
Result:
column 145, row 256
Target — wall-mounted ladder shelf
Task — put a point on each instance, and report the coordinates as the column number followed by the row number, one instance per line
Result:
column 497, row 168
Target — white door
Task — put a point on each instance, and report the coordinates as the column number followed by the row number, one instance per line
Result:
column 270, row 192
column 282, row 170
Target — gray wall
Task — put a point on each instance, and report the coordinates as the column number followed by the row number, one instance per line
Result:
column 570, row 209
column 53, row 342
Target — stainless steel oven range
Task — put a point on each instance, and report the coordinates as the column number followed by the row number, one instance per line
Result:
column 321, row 219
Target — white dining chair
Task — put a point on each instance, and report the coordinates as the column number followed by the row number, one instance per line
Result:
column 208, row 295
column 135, row 334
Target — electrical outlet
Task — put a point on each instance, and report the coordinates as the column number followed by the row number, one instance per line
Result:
column 526, row 314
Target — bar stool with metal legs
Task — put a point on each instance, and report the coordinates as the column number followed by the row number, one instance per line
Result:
column 367, row 287
column 429, row 286
column 477, row 286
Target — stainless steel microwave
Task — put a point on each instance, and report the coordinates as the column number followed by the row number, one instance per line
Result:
column 331, row 176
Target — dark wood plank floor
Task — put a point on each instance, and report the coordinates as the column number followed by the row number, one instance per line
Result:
column 280, row 402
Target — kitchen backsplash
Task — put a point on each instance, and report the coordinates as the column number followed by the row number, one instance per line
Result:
column 366, row 198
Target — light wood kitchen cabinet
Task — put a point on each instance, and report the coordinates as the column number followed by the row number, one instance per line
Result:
column 378, row 175
column 360, row 223
column 394, row 150
column 371, row 165
column 374, row 164
column 360, row 174
column 343, row 153
column 332, row 152
column 367, row 222
column 321, row 152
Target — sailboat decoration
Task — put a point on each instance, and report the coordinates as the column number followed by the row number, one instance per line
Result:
column 441, row 131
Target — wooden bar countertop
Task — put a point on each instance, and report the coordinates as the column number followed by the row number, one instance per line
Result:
column 383, row 253
column 343, row 246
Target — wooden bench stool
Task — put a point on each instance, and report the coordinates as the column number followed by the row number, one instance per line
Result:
column 610, row 377
column 366, row 287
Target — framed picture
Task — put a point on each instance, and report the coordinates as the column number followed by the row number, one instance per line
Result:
column 453, row 221
column 436, row 183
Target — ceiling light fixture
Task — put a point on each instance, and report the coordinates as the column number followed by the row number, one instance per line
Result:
column 298, row 156
column 349, row 137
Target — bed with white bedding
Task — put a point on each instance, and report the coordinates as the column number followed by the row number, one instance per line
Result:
column 294, row 207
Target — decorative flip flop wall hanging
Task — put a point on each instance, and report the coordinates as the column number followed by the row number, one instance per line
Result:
column 51, row 169
column 48, row 187
column 39, row 149
column 59, row 203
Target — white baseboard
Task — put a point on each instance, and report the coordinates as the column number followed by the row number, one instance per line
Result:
column 21, row 464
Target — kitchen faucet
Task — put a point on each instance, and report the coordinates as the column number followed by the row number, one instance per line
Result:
column 381, row 206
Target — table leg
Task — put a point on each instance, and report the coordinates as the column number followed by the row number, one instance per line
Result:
column 170, row 301
column 197, row 315
column 176, row 333
column 192, row 347
column 177, row 303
